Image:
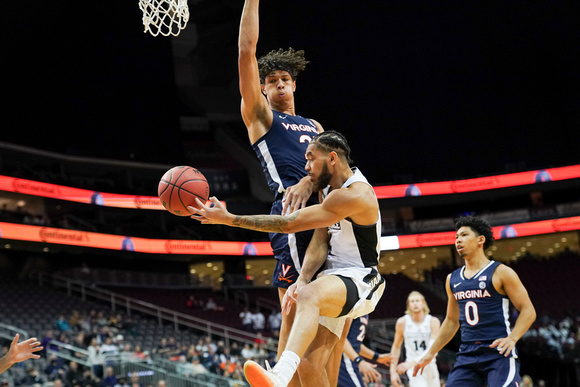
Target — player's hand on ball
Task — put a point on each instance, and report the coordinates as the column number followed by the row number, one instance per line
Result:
column 215, row 213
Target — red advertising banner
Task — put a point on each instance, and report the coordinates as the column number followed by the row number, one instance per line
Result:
column 479, row 184
column 168, row 246
column 60, row 236
column 499, row 232
column 30, row 187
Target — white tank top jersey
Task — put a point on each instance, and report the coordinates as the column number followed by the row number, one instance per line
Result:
column 352, row 244
column 416, row 337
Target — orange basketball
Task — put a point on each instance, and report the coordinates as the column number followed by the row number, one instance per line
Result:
column 179, row 187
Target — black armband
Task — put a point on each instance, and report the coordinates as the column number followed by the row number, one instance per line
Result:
column 357, row 360
column 376, row 356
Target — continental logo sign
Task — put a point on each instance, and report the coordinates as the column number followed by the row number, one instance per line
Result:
column 187, row 247
column 146, row 201
column 35, row 188
column 435, row 239
column 56, row 235
column 470, row 185
column 566, row 224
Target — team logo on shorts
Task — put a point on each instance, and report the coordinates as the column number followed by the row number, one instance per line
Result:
column 284, row 275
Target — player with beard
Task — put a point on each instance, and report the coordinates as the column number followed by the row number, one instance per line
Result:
column 346, row 241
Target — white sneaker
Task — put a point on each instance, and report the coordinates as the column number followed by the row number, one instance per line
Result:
column 259, row 377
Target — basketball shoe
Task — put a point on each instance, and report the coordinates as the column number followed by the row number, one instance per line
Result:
column 259, row 377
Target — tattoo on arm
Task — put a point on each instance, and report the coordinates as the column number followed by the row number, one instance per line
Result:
column 266, row 223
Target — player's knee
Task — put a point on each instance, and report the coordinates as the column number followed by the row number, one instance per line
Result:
column 306, row 295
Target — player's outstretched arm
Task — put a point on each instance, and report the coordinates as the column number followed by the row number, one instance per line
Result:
column 448, row 330
column 255, row 110
column 19, row 352
column 338, row 205
column 512, row 286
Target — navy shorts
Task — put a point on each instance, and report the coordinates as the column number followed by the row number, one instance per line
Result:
column 286, row 247
column 349, row 374
column 478, row 365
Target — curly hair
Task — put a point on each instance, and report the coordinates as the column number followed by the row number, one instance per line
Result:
column 330, row 141
column 479, row 226
column 287, row 60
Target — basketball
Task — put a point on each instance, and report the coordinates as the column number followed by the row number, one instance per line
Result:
column 179, row 187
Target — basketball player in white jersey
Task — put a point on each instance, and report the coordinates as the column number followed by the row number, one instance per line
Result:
column 417, row 328
column 346, row 240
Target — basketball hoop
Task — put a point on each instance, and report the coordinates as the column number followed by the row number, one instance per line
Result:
column 165, row 17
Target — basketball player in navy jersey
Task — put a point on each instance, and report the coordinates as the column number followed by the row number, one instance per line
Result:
column 279, row 137
column 346, row 240
column 355, row 369
column 479, row 295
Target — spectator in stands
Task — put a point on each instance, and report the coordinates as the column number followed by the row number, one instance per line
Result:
column 209, row 359
column 122, row 382
column 247, row 318
column 193, row 303
column 19, row 352
column 163, row 348
column 135, row 380
column 259, row 321
column 173, row 348
column 183, row 367
column 58, row 383
column 32, row 377
column 62, row 324
column 161, row 383
column 115, row 323
column 55, row 368
column 108, row 349
column 138, row 353
column 44, row 343
column 211, row 305
column 197, row 368
column 248, row 352
column 74, row 320
column 110, row 380
column 96, row 358
column 274, row 322
column 74, row 374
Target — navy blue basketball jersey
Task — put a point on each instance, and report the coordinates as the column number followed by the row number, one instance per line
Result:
column 281, row 150
column 483, row 312
column 349, row 374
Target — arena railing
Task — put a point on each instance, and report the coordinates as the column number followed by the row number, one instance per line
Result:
column 163, row 315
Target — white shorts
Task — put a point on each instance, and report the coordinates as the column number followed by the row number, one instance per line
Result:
column 429, row 377
column 370, row 289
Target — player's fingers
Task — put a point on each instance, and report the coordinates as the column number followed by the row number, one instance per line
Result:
column 495, row 343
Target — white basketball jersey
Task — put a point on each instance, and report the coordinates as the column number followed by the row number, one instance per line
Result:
column 416, row 337
column 353, row 245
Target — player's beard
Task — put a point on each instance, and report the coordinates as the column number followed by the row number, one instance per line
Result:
column 323, row 180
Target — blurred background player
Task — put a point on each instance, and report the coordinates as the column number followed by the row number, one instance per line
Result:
column 355, row 371
column 279, row 137
column 417, row 329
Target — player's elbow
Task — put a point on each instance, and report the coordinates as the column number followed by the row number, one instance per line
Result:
column 246, row 49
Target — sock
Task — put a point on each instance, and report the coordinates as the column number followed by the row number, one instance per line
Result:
column 286, row 366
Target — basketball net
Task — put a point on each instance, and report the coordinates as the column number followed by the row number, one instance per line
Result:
column 165, row 17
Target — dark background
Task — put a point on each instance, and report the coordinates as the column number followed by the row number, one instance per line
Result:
column 423, row 90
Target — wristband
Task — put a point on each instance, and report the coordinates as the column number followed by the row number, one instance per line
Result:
column 376, row 356
column 357, row 359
